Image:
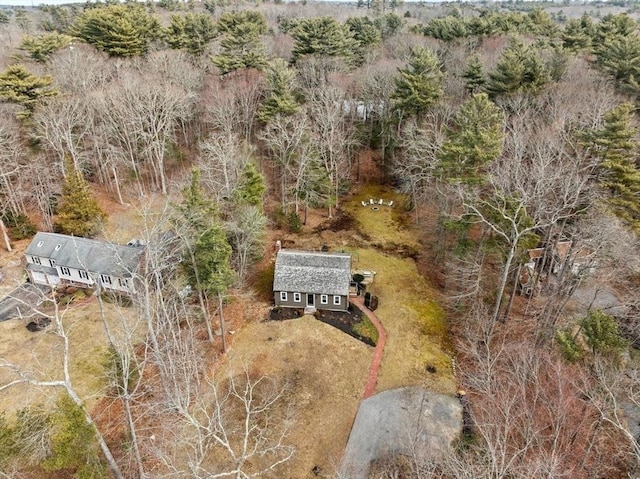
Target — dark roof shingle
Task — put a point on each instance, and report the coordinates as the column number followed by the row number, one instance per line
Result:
column 311, row 272
column 86, row 254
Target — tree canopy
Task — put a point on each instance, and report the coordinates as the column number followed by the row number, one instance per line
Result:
column 474, row 139
column 119, row 30
column 19, row 85
column 78, row 212
column 616, row 146
column 419, row 84
column 41, row 47
column 520, row 69
column 241, row 46
column 323, row 36
column 191, row 32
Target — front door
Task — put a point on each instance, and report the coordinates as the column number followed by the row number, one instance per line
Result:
column 309, row 299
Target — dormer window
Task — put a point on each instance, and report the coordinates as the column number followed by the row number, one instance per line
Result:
column 58, row 246
column 40, row 243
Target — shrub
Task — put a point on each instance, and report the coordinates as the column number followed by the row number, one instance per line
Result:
column 294, row 222
column 19, row 225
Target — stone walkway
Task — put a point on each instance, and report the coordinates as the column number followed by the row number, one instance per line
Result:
column 377, row 354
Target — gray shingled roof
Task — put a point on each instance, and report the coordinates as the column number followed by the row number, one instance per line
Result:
column 311, row 272
column 86, row 254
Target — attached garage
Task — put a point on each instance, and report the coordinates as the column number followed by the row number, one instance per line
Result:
column 43, row 275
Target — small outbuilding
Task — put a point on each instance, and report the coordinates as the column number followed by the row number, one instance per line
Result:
column 312, row 280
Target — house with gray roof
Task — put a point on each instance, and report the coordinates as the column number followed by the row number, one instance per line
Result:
column 59, row 260
column 312, row 280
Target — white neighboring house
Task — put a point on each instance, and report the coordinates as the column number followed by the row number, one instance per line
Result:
column 55, row 259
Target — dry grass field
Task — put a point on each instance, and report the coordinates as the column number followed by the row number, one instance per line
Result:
column 326, row 371
column 39, row 355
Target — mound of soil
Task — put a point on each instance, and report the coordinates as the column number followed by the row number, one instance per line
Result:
column 341, row 222
column 344, row 321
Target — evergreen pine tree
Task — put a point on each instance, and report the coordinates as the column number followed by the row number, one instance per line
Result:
column 78, row 213
column 619, row 56
column 617, row 146
column 73, row 442
column 578, row 34
column 613, row 26
column 207, row 258
column 323, row 36
column 251, row 188
column 120, row 30
column 419, row 85
column 41, row 47
column 601, row 333
column 241, row 46
column 281, row 98
column 19, row 85
column 474, row 78
column 191, row 32
column 475, row 138
column 539, row 22
column 366, row 34
column 519, row 69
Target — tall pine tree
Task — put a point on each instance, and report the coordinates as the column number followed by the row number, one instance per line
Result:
column 323, row 36
column 473, row 75
column 78, row 213
column 207, row 251
column 119, row 30
column 191, row 32
column 281, row 97
column 616, row 144
column 419, row 85
column 241, row 46
column 19, row 85
column 520, row 69
column 475, row 138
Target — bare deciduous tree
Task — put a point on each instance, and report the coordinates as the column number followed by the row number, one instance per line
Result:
column 333, row 137
column 234, row 430
column 61, row 125
column 65, row 381
column 222, row 158
column 246, row 230
column 288, row 139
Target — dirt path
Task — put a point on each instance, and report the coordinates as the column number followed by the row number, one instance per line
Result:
column 379, row 351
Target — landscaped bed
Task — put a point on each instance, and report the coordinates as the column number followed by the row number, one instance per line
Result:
column 352, row 322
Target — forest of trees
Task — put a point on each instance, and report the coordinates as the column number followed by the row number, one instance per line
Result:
column 514, row 125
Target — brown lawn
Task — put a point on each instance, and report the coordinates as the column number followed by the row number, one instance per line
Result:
column 327, row 371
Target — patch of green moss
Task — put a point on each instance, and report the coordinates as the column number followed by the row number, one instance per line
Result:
column 366, row 329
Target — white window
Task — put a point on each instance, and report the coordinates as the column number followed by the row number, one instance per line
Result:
column 52, row 262
column 83, row 274
column 337, row 300
column 297, row 297
column 324, row 299
column 65, row 271
column 105, row 278
column 283, row 295
column 35, row 259
column 123, row 282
